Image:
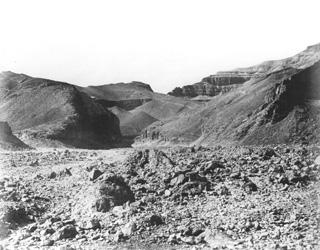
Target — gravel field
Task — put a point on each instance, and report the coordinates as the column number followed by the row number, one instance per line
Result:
column 161, row 198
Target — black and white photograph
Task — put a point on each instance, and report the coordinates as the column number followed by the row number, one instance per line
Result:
column 159, row 125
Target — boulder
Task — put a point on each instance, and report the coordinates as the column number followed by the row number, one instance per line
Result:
column 129, row 228
column 155, row 220
column 113, row 191
column 268, row 154
column 317, row 160
column 68, row 231
column 178, row 180
column 94, row 174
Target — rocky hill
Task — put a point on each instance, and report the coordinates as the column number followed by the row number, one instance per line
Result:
column 55, row 113
column 8, row 141
column 279, row 104
column 136, row 105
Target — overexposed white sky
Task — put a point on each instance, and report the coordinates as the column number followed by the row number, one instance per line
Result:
column 165, row 43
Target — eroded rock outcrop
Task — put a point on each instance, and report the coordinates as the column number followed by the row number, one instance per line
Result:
column 212, row 85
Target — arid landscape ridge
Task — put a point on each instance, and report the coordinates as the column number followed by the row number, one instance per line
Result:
column 230, row 162
column 269, row 103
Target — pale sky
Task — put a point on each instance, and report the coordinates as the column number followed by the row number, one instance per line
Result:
column 165, row 43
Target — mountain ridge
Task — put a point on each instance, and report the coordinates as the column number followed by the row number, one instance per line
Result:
column 277, row 99
column 225, row 81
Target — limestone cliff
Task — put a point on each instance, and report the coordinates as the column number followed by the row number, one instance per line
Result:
column 213, row 85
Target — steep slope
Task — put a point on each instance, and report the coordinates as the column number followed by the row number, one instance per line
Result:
column 163, row 106
column 132, row 122
column 279, row 104
column 8, row 141
column 42, row 109
column 144, row 105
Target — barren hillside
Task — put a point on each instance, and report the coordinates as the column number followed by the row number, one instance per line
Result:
column 45, row 110
column 279, row 104
column 143, row 106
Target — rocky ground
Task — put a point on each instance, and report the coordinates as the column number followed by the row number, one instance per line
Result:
column 164, row 198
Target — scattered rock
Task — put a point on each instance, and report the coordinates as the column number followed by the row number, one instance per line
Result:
column 67, row 248
column 155, row 220
column 188, row 240
column 91, row 224
column 94, row 174
column 178, row 180
column 269, row 153
column 242, row 199
column 129, row 228
column 32, row 227
column 68, row 231
column 167, row 193
column 172, row 239
column 119, row 236
column 52, row 175
column 216, row 239
column 249, row 185
column 317, row 160
column 48, row 243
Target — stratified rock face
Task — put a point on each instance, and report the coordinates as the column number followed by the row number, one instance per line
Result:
column 211, row 85
column 279, row 104
column 7, row 140
column 225, row 81
column 45, row 109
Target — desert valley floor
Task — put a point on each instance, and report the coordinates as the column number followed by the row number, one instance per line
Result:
column 229, row 162
column 161, row 198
